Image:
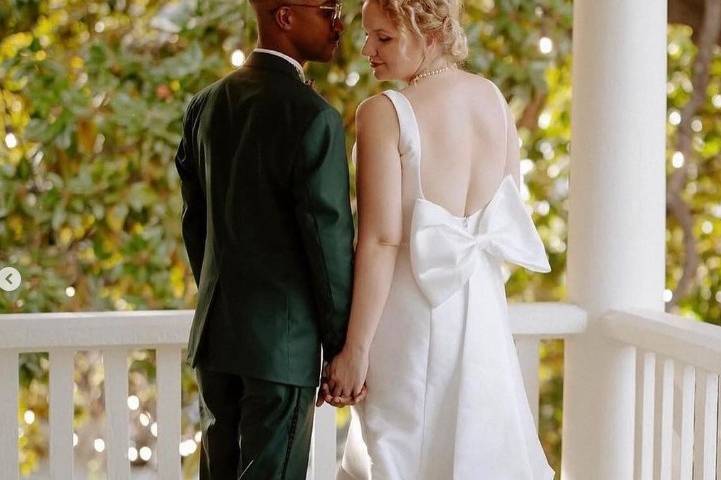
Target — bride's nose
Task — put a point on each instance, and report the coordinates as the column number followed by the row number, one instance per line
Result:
column 367, row 51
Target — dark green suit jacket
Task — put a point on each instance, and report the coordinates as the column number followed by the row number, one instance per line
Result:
column 266, row 223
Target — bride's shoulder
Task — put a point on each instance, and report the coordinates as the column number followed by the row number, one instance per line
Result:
column 485, row 90
column 478, row 81
column 377, row 106
column 376, row 111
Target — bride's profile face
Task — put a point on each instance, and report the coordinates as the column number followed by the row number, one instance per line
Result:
column 394, row 54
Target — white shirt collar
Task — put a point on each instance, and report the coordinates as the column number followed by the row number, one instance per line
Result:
column 292, row 60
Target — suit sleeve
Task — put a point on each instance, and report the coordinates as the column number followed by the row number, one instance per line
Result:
column 194, row 206
column 321, row 195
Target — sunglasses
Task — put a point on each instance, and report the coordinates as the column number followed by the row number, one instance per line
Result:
column 337, row 9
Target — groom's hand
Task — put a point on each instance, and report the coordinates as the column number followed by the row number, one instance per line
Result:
column 342, row 401
column 323, row 381
column 324, row 395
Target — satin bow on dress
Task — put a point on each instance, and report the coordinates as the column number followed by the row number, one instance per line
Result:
column 447, row 250
column 450, row 254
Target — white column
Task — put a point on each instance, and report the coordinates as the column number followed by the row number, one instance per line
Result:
column 616, row 240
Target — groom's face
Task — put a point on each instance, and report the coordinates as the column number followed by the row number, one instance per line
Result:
column 317, row 30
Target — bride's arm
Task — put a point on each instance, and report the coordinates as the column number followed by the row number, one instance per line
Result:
column 380, row 231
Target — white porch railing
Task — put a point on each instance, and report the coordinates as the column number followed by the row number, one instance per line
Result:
column 677, row 404
column 116, row 333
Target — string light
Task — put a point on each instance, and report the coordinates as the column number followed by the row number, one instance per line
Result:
column 237, row 58
column 29, row 417
column 133, row 402
column 145, row 453
column 11, row 140
column 99, row 445
column 545, row 45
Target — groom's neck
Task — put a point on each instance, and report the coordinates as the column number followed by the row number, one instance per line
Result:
column 282, row 47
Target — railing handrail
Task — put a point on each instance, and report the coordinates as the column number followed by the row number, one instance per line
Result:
column 149, row 328
column 693, row 342
column 140, row 328
column 547, row 319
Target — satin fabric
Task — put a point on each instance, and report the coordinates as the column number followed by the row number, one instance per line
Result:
column 445, row 394
column 494, row 421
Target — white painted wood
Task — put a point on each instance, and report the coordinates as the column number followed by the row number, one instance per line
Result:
column 598, row 406
column 616, row 230
column 687, row 422
column 117, row 419
column 528, row 357
column 699, row 429
column 115, row 333
column 689, row 341
column 694, row 343
column 62, row 367
column 638, row 420
column 648, row 412
column 93, row 330
column 546, row 320
column 9, row 414
column 710, row 427
column 323, row 462
column 718, row 429
column 667, row 419
column 168, row 408
column 29, row 332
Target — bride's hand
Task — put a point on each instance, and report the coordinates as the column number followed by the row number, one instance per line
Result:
column 347, row 372
column 324, row 396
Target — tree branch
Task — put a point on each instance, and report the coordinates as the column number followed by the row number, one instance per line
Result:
column 688, row 12
column 709, row 33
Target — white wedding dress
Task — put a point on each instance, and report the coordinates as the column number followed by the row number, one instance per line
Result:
column 445, row 394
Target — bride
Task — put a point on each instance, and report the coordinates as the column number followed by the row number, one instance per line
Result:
column 439, row 210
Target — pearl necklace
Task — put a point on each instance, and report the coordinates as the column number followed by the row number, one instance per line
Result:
column 430, row 73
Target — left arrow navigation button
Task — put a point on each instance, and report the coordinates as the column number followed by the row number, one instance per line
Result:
column 10, row 279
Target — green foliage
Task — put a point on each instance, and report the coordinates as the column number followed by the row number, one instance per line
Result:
column 93, row 93
column 701, row 192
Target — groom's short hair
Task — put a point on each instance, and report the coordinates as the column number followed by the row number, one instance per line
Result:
column 268, row 4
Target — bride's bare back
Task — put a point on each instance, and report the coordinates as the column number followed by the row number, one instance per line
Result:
column 467, row 145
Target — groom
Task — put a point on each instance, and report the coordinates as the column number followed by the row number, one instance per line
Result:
column 268, row 230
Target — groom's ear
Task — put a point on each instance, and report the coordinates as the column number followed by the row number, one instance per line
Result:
column 284, row 18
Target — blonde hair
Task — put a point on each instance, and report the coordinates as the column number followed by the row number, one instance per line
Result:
column 437, row 18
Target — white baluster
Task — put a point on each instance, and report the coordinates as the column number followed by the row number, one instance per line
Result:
column 9, row 415
column 648, row 405
column 687, row 416
column 667, row 419
column 168, row 406
column 529, row 359
column 718, row 429
column 710, row 427
column 115, row 364
column 61, row 413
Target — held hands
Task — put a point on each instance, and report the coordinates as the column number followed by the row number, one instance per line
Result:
column 338, row 402
column 343, row 381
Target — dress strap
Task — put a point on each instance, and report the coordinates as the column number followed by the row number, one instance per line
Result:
column 409, row 136
column 502, row 104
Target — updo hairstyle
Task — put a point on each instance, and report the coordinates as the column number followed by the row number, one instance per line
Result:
column 437, row 18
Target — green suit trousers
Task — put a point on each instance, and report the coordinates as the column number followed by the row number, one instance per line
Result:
column 253, row 429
